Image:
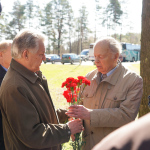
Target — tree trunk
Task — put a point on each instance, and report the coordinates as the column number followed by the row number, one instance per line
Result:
column 145, row 57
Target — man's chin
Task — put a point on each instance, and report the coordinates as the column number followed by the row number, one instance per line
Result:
column 99, row 69
column 37, row 69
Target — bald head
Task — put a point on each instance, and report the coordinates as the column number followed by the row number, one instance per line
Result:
column 109, row 44
column 5, row 53
column 106, row 52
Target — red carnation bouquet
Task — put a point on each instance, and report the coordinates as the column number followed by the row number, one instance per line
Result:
column 75, row 88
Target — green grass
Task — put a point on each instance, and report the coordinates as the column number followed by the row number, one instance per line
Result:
column 135, row 68
column 56, row 74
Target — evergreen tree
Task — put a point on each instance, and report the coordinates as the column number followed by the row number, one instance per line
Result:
column 18, row 20
column 30, row 12
column 70, row 22
column 60, row 20
column 113, row 12
column 48, row 26
column 3, row 24
column 98, row 18
column 83, row 26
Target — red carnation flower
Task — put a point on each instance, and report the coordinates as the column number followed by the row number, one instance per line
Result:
column 70, row 79
column 87, row 82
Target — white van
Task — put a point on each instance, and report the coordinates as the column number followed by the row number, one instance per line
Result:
column 91, row 52
column 84, row 54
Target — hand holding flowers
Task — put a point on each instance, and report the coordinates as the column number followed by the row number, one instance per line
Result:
column 75, row 126
column 79, row 111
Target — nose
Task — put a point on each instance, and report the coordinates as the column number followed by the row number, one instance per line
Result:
column 96, row 60
column 44, row 58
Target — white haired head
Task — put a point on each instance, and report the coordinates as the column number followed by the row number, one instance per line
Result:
column 26, row 39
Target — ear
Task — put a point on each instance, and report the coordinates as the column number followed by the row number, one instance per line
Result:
column 25, row 54
column 116, row 56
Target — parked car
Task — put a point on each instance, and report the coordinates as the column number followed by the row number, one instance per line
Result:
column 52, row 58
column 84, row 54
column 70, row 58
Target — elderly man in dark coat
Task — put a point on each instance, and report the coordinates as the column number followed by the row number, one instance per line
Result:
column 30, row 121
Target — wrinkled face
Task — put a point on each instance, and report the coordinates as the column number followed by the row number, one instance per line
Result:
column 7, row 57
column 35, row 59
column 104, row 59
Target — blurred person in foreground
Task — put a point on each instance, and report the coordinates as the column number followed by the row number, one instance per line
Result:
column 112, row 99
column 29, row 117
column 5, row 59
column 133, row 136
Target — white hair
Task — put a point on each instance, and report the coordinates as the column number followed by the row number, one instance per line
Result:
column 26, row 40
column 114, row 45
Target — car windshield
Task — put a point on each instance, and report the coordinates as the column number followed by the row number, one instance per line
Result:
column 84, row 52
column 65, row 56
column 74, row 56
column 48, row 56
column 56, row 56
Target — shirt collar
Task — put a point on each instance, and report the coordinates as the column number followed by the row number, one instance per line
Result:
column 111, row 71
column 112, row 78
column 5, row 68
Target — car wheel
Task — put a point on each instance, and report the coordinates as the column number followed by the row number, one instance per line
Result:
column 44, row 62
column 72, row 62
column 53, row 62
column 124, row 59
column 133, row 59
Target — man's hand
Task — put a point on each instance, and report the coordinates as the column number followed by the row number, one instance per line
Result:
column 72, row 137
column 79, row 111
column 75, row 126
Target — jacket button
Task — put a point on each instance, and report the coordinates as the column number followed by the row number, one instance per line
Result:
column 115, row 98
column 91, row 132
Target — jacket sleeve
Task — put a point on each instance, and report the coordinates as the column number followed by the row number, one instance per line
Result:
column 116, row 117
column 24, row 121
